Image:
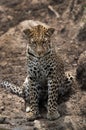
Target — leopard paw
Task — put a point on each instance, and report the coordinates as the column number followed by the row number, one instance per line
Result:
column 31, row 116
column 53, row 115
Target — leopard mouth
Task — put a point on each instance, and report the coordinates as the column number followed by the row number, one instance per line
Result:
column 39, row 56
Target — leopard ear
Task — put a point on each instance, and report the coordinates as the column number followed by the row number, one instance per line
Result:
column 50, row 31
column 27, row 32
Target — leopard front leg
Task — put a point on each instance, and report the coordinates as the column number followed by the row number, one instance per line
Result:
column 52, row 100
column 26, row 96
column 33, row 99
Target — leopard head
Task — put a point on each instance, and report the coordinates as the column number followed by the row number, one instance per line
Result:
column 38, row 39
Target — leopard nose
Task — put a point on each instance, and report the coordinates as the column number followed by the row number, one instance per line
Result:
column 40, row 51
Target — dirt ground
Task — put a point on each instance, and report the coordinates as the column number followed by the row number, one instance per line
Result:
column 69, row 20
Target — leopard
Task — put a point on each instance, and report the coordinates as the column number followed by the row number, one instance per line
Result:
column 45, row 73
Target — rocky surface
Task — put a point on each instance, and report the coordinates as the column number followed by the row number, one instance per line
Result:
column 81, row 71
column 70, row 42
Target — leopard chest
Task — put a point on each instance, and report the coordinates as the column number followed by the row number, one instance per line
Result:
column 40, row 68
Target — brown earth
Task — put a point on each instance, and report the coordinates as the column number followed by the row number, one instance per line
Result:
column 70, row 42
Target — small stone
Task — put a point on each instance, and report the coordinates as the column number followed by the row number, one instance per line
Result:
column 2, row 119
column 2, row 108
column 38, row 125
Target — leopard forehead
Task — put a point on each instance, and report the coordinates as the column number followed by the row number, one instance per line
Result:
column 39, row 32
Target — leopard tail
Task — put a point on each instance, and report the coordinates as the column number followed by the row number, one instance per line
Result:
column 12, row 88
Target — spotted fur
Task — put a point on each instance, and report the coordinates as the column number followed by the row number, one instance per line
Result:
column 45, row 73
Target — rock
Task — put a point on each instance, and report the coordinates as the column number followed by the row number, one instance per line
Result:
column 81, row 70
column 38, row 125
column 63, row 123
column 82, row 33
column 23, row 128
column 2, row 119
column 2, row 108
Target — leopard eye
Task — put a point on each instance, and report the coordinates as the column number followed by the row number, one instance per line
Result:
column 44, row 43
